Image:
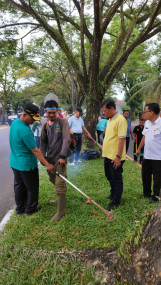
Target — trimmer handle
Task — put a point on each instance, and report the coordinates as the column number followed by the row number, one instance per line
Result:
column 55, row 167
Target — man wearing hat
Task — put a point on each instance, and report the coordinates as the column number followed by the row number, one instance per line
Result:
column 55, row 140
column 23, row 161
column 76, row 124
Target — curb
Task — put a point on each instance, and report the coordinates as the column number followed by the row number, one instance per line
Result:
column 6, row 219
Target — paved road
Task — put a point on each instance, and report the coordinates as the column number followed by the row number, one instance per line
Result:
column 6, row 176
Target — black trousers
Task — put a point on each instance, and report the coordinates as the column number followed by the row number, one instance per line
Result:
column 78, row 140
column 149, row 168
column 114, row 176
column 100, row 137
column 127, row 143
column 26, row 189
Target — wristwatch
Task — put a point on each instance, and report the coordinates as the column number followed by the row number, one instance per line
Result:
column 119, row 156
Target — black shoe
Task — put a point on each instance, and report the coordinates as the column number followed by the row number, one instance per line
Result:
column 113, row 205
column 35, row 211
column 146, row 196
column 154, row 199
column 109, row 197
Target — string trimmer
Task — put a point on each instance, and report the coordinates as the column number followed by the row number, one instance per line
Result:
column 110, row 217
column 90, row 137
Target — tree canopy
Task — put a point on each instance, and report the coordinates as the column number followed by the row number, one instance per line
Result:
column 107, row 32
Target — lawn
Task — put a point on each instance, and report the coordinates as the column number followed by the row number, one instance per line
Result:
column 84, row 227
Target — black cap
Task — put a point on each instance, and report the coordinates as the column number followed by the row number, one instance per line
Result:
column 33, row 111
column 79, row 110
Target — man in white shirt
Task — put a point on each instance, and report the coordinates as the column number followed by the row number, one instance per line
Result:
column 152, row 151
column 76, row 125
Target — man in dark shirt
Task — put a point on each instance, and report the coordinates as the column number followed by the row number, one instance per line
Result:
column 55, row 140
column 138, row 137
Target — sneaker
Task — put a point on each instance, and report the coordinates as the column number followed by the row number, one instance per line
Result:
column 154, row 199
column 35, row 211
column 79, row 160
column 71, row 163
column 113, row 205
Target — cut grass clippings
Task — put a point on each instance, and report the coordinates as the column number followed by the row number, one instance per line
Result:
column 83, row 227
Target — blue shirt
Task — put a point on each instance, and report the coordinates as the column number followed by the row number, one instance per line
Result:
column 128, row 127
column 76, row 124
column 101, row 125
column 21, row 142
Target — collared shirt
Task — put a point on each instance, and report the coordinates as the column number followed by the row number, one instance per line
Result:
column 21, row 142
column 128, row 128
column 152, row 133
column 76, row 124
column 116, row 129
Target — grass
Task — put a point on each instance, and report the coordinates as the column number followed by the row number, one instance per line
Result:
column 83, row 227
column 31, row 268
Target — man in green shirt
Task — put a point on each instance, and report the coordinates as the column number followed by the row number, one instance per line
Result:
column 23, row 161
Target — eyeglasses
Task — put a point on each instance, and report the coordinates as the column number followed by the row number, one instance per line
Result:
column 146, row 112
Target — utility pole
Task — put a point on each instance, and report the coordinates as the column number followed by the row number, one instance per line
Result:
column 72, row 70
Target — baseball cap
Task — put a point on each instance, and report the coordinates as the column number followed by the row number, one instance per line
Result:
column 33, row 111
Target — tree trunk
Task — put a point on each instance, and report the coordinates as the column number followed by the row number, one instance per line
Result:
column 93, row 111
column 145, row 265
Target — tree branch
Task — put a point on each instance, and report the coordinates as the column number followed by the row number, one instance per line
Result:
column 113, row 55
column 118, row 65
column 110, row 13
column 59, row 39
column 19, row 24
column 27, row 33
column 86, row 31
column 82, row 39
column 53, row 7
column 153, row 14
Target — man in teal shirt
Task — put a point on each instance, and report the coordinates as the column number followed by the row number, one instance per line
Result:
column 23, row 161
column 100, row 128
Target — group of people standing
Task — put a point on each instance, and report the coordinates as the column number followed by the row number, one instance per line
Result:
column 114, row 143
column 54, row 149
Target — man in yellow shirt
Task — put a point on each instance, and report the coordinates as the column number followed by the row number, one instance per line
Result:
column 114, row 151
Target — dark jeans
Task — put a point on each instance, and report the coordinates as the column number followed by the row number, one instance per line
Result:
column 127, row 143
column 114, row 176
column 100, row 137
column 78, row 140
column 26, row 189
column 149, row 168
